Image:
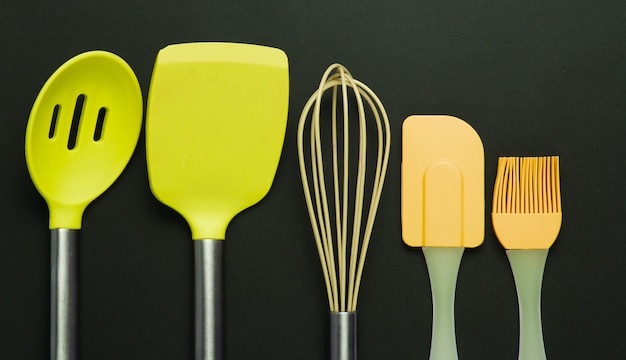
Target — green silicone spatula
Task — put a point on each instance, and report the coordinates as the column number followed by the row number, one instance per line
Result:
column 215, row 128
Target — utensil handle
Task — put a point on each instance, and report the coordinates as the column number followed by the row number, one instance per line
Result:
column 63, row 317
column 343, row 335
column 443, row 269
column 209, row 295
column 528, row 266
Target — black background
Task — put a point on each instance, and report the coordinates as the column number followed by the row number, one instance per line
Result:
column 532, row 77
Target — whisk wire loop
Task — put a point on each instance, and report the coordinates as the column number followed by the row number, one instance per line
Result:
column 342, row 274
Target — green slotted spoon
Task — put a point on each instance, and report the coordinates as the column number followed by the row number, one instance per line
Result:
column 81, row 133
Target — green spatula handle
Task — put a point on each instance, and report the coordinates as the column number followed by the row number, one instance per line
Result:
column 443, row 269
column 527, row 266
column 63, row 294
column 209, row 295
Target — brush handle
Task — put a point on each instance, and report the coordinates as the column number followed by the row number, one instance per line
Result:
column 528, row 266
column 443, row 269
column 63, row 314
column 209, row 299
column 343, row 335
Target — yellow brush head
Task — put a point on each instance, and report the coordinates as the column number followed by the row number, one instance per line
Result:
column 215, row 126
column 442, row 183
column 526, row 210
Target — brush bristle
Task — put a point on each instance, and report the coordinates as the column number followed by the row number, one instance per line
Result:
column 527, row 185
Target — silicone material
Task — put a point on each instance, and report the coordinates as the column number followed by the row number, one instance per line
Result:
column 343, row 242
column 527, row 266
column 442, row 182
column 526, row 210
column 442, row 208
column 527, row 231
column 443, row 269
column 527, row 218
column 70, row 174
column 215, row 127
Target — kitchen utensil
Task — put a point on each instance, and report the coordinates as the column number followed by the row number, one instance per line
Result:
column 442, row 209
column 527, row 218
column 349, row 242
column 215, row 128
column 81, row 133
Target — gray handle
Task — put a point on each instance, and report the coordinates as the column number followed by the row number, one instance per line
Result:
column 63, row 294
column 208, row 288
column 343, row 335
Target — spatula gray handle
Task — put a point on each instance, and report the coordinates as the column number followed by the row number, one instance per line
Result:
column 209, row 295
column 63, row 294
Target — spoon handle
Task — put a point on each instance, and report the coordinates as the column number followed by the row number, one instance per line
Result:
column 208, row 299
column 63, row 294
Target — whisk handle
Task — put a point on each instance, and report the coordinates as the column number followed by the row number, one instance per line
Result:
column 528, row 266
column 208, row 299
column 343, row 335
column 443, row 269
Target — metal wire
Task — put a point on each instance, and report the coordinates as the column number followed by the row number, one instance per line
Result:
column 342, row 252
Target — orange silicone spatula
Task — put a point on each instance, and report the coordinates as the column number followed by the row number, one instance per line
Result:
column 442, row 208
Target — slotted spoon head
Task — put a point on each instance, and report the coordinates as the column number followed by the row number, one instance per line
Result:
column 81, row 133
column 215, row 126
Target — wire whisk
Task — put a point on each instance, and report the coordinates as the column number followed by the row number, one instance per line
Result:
column 331, row 205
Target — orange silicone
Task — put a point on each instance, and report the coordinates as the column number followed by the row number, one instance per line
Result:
column 527, row 231
column 442, row 182
column 527, row 202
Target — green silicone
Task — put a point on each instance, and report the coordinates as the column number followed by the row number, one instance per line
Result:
column 527, row 266
column 443, row 268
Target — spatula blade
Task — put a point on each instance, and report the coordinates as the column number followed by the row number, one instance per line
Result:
column 443, row 191
column 215, row 127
